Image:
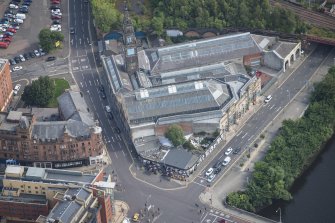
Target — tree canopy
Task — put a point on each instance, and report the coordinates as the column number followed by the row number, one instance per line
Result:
column 175, row 134
column 106, row 16
column 39, row 92
column 49, row 38
column 297, row 143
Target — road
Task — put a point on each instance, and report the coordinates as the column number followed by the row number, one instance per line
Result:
column 174, row 205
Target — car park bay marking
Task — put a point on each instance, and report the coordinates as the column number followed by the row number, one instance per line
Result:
column 244, row 135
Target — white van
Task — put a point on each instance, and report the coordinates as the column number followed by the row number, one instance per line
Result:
column 20, row 21
column 20, row 16
column 226, row 161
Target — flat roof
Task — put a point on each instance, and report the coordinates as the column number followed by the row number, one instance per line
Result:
column 69, row 176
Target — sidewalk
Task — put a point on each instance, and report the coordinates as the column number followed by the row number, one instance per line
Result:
column 237, row 178
column 120, row 211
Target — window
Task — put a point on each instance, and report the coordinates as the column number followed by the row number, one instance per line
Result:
column 28, row 187
column 36, row 188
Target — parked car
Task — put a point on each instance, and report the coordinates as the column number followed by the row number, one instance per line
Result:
column 4, row 45
column 237, row 150
column 217, row 164
column 102, row 95
column 56, row 22
column 13, row 6
column 17, row 59
column 268, row 98
column 32, row 54
column 209, row 171
column 226, row 161
column 50, row 59
column 217, row 170
column 7, row 39
column 53, row 7
column 9, row 33
column 19, row 21
column 37, row 53
column 23, row 10
column 12, row 62
column 12, row 30
column 22, row 58
column 17, row 68
column 55, row 2
column 56, row 16
column 26, row 56
column 26, row 3
column 55, row 11
column 18, row 86
column 228, row 151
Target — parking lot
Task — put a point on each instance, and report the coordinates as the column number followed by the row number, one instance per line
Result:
column 26, row 38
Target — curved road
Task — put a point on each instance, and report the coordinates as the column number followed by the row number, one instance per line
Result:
column 178, row 205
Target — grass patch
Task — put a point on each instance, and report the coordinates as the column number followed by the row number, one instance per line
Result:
column 60, row 86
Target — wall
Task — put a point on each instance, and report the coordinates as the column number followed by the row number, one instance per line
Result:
column 6, row 86
column 271, row 60
column 27, row 210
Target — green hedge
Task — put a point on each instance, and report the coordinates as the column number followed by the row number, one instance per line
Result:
column 295, row 147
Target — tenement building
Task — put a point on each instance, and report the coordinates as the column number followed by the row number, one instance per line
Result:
column 201, row 85
column 73, row 139
column 6, row 87
column 31, row 194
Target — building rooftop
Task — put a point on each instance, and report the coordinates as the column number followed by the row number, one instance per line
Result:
column 180, row 158
column 188, row 97
column 9, row 121
column 69, row 176
column 25, row 198
column 79, row 193
column 65, row 211
column 14, row 116
column 284, row 48
column 202, row 52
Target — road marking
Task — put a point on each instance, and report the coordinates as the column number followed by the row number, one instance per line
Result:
column 123, row 153
column 80, row 41
column 199, row 184
column 113, row 139
column 116, row 155
column 278, row 109
column 75, row 68
column 90, row 82
column 250, row 137
column 71, row 41
column 83, row 59
column 271, row 107
column 81, row 84
column 244, row 135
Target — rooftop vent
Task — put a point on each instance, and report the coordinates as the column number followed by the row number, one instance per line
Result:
column 172, row 89
column 144, row 93
column 198, row 85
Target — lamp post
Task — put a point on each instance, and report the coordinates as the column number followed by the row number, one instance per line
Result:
column 279, row 209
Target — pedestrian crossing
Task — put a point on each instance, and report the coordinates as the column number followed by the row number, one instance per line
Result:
column 216, row 216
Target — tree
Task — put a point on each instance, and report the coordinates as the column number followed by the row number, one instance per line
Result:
column 39, row 92
column 105, row 14
column 49, row 38
column 175, row 134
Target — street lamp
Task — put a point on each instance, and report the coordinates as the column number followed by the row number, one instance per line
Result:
column 279, row 209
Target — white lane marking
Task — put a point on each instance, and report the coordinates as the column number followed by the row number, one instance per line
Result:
column 123, row 153
column 271, row 107
column 199, row 184
column 80, row 41
column 244, row 135
column 90, row 82
column 113, row 138
column 81, row 84
column 250, row 137
column 278, row 109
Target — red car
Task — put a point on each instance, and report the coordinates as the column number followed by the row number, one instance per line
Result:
column 4, row 45
column 55, row 2
column 7, row 39
column 12, row 30
column 56, row 17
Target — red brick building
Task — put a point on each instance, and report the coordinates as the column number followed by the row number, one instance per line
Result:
column 6, row 86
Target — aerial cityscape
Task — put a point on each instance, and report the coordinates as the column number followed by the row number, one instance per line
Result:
column 119, row 111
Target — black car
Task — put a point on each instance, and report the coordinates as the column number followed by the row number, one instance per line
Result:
column 117, row 130
column 72, row 30
column 26, row 3
column 56, row 22
column 26, row 56
column 23, row 10
column 101, row 88
column 217, row 164
column 55, row 7
column 32, row 55
column 12, row 62
column 217, row 170
column 51, row 59
column 237, row 150
column 17, row 59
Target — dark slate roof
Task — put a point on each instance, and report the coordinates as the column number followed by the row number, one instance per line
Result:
column 65, row 211
column 187, row 97
column 68, row 176
column 56, row 130
column 202, row 52
column 80, row 193
column 180, row 158
column 73, row 106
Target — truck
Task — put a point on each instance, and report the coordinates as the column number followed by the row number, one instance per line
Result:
column 20, row 16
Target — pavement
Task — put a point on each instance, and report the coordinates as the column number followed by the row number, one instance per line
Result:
column 238, row 177
column 120, row 211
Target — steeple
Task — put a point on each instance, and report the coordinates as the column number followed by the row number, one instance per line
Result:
column 129, row 42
